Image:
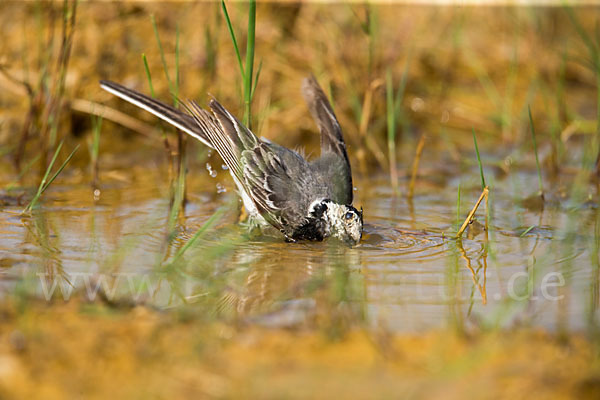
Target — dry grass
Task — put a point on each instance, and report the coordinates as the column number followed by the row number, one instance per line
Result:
column 458, row 62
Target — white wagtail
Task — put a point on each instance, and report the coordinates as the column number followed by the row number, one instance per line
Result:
column 304, row 200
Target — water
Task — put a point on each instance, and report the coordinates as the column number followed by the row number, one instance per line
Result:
column 534, row 267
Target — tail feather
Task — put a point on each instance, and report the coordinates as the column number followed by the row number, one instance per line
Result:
column 178, row 119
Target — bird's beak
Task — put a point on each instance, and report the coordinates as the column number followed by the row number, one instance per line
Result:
column 353, row 241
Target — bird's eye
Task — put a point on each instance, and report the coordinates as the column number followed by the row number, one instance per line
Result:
column 349, row 215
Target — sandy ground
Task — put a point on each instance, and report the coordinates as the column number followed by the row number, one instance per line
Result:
column 71, row 350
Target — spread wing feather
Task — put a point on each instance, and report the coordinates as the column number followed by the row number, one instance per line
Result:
column 332, row 140
column 257, row 167
column 279, row 189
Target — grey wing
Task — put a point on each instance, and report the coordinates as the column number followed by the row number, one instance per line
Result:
column 178, row 119
column 332, row 140
column 264, row 171
column 277, row 181
column 331, row 170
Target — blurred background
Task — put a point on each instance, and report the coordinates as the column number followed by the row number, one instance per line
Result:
column 457, row 68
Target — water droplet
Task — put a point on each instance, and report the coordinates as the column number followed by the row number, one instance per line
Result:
column 97, row 194
column 355, row 188
column 211, row 171
column 224, row 167
column 221, row 188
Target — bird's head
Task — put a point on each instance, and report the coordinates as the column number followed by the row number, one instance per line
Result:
column 344, row 222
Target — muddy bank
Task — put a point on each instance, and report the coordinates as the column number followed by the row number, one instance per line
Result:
column 66, row 350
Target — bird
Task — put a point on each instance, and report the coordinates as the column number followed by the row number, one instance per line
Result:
column 279, row 187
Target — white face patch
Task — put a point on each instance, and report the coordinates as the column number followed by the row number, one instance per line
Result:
column 334, row 215
column 343, row 221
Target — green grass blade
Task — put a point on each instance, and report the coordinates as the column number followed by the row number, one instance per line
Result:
column 203, row 229
column 162, row 53
column 526, row 231
column 153, row 94
column 260, row 64
column 147, row 69
column 96, row 129
column 391, row 128
column 537, row 160
column 64, row 164
column 458, row 207
column 176, row 88
column 249, row 62
column 178, row 197
column 95, row 148
column 233, row 39
column 483, row 185
column 391, row 115
column 44, row 179
column 47, row 182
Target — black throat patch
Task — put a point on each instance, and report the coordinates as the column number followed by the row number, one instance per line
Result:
column 315, row 228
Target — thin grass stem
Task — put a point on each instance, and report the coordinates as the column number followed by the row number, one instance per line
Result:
column 46, row 182
column 483, row 185
column 458, row 205
column 162, row 53
column 95, row 148
column 147, row 69
column 177, row 77
column 177, row 201
column 391, row 129
column 199, row 233
column 233, row 39
column 181, row 137
column 166, row 144
column 260, row 64
column 415, row 166
column 249, row 63
column 537, row 160
column 526, row 231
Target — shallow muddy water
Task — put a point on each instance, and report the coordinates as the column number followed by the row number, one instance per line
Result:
column 534, row 266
